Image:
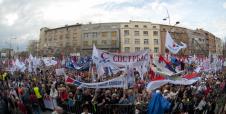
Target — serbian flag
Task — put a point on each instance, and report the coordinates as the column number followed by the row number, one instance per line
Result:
column 168, row 64
column 154, row 76
column 70, row 80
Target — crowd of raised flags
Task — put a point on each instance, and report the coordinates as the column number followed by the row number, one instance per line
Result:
column 116, row 70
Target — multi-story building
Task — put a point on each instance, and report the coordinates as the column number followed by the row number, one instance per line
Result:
column 211, row 41
column 179, row 34
column 33, row 47
column 139, row 35
column 62, row 40
column 198, row 43
column 219, row 47
column 224, row 47
column 7, row 53
column 104, row 35
column 129, row 36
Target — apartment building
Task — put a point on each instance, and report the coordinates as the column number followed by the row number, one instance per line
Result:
column 139, row 35
column 104, row 36
column 62, row 40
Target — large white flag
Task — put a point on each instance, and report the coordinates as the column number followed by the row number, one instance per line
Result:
column 172, row 46
column 20, row 65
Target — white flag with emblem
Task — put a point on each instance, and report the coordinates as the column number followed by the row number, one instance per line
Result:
column 172, row 46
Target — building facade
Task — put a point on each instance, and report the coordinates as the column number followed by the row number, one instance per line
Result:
column 198, row 43
column 7, row 53
column 104, row 36
column 137, row 35
column 63, row 40
column 219, row 47
column 122, row 37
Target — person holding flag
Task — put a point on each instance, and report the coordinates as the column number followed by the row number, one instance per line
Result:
column 158, row 104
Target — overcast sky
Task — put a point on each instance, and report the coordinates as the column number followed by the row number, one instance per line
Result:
column 22, row 19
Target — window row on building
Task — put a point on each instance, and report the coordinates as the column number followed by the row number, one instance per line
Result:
column 137, row 26
column 102, row 42
column 138, row 41
column 137, row 33
column 99, row 34
column 129, row 49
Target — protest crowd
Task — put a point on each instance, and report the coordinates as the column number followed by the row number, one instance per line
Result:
column 37, row 89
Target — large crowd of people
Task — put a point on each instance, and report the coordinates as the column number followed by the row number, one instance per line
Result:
column 28, row 93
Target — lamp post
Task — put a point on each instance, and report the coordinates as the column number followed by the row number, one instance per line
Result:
column 168, row 16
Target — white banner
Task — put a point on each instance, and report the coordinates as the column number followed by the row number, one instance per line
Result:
column 100, row 56
column 118, row 82
column 110, row 63
column 60, row 72
column 49, row 61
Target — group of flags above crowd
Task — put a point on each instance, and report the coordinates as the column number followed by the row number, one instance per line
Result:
column 117, row 65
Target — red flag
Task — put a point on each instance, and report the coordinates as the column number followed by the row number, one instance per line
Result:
column 154, row 76
column 69, row 79
column 162, row 59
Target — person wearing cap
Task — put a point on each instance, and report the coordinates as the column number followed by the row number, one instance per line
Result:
column 114, row 98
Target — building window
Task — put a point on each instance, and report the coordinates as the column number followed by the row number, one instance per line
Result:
column 164, row 29
column 113, row 34
column 61, row 37
column 136, row 26
column 104, row 34
column 146, row 48
column 146, row 41
column 155, row 33
column 85, row 43
column 126, row 32
column 137, row 48
column 94, row 34
column 136, row 33
column 153, row 26
column 67, row 36
column 50, row 39
column 67, row 44
column 145, row 33
column 94, row 42
column 126, row 41
column 156, row 41
column 127, row 49
column 113, row 42
column 145, row 26
column 156, row 50
column 126, row 26
column 104, row 42
column 86, row 35
column 137, row 41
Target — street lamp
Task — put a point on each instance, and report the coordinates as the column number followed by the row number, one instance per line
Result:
column 168, row 16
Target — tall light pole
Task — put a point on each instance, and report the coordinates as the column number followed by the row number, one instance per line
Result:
column 168, row 16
